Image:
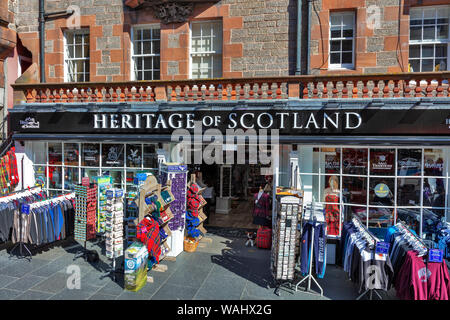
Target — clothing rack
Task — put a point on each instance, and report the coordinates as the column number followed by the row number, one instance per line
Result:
column 415, row 240
column 313, row 217
column 372, row 240
column 21, row 245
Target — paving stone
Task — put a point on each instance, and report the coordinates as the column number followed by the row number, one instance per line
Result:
column 8, row 294
column 190, row 275
column 95, row 278
column 112, row 288
column 83, row 293
column 53, row 284
column 26, row 282
column 6, row 280
column 174, row 292
column 221, row 288
column 130, row 295
column 33, row 295
column 99, row 296
column 22, row 267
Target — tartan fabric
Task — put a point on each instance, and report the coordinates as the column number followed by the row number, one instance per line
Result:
column 14, row 169
column 7, row 158
column 262, row 206
column 3, row 176
column 332, row 214
column 264, row 238
column 148, row 234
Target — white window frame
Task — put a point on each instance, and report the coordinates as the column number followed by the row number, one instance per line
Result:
column 344, row 66
column 212, row 53
column 430, row 42
column 132, row 54
column 66, row 58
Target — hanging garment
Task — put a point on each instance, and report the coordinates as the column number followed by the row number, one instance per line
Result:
column 332, row 214
column 148, row 234
column 319, row 253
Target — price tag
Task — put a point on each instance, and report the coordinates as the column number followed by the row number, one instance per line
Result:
column 85, row 181
column 435, row 255
column 25, row 209
column 382, row 247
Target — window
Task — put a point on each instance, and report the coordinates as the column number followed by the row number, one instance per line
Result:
column 206, row 50
column 429, row 39
column 145, row 54
column 342, row 33
column 76, row 56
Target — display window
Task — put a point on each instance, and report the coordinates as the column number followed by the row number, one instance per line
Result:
column 150, row 156
column 408, row 192
column 351, row 211
column 90, row 154
column 70, row 178
column 381, row 192
column 354, row 190
column 55, row 177
column 55, row 153
column 71, row 154
column 409, row 162
column 40, row 176
column 382, row 162
column 411, row 217
column 354, row 161
column 134, row 155
column 112, row 155
column 116, row 175
column 381, row 217
column 331, row 159
column 433, row 162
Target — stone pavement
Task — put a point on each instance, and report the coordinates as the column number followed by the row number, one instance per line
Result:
column 223, row 269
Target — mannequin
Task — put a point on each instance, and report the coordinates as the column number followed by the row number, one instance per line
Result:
column 261, row 209
column 332, row 207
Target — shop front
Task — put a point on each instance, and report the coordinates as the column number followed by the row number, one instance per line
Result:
column 382, row 162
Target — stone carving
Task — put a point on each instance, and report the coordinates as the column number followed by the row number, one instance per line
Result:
column 173, row 12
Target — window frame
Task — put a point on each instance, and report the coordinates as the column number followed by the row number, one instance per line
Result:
column 342, row 66
column 133, row 30
column 434, row 42
column 206, row 53
column 82, row 31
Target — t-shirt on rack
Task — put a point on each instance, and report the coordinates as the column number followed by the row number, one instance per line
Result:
column 370, row 270
column 47, row 221
column 415, row 277
column 10, row 206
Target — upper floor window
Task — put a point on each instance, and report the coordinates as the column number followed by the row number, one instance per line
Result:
column 342, row 35
column 429, row 39
column 145, row 53
column 206, row 50
column 76, row 55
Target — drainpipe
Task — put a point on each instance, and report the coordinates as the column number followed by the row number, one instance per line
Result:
column 298, row 67
column 41, row 40
column 308, row 58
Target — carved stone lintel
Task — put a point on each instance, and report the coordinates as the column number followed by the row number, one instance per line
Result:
column 173, row 12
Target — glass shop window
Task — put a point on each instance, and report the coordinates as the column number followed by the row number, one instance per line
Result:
column 331, row 160
column 55, row 153
column 39, row 152
column 411, row 217
column 433, row 192
column 116, row 175
column 357, row 211
column 40, row 176
column 382, row 162
column 408, row 192
column 432, row 219
column 55, row 177
column 90, row 154
column 381, row 217
column 112, row 155
column 91, row 173
column 70, row 178
column 71, row 154
column 409, row 162
column 150, row 156
column 381, row 192
column 354, row 190
column 331, row 188
column 134, row 155
column 354, row 161
column 434, row 162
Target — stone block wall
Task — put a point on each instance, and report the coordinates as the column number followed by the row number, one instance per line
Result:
column 258, row 37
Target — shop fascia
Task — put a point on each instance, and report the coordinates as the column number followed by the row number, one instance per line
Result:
column 245, row 120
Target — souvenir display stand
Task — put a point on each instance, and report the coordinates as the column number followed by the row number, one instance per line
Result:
column 195, row 217
column 286, row 235
column 85, row 214
column 176, row 174
column 114, row 226
column 103, row 184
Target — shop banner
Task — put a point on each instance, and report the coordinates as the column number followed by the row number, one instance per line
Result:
column 289, row 122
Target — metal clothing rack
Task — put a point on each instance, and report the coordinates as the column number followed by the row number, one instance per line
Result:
column 411, row 236
column 312, row 218
column 21, row 245
column 372, row 240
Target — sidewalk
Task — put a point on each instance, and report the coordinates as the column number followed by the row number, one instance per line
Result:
column 224, row 270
